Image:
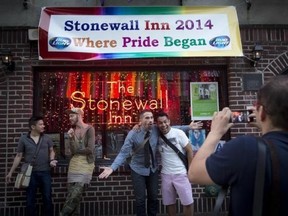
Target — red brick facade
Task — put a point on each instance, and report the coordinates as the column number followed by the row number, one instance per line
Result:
column 114, row 196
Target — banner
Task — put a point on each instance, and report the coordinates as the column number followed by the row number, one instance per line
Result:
column 138, row 32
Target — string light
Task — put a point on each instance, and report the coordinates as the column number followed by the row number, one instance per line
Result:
column 56, row 87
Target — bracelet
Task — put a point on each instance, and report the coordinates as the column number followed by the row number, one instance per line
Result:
column 52, row 160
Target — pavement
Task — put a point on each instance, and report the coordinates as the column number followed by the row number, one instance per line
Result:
column 195, row 214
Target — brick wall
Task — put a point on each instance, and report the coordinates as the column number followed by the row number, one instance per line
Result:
column 114, row 196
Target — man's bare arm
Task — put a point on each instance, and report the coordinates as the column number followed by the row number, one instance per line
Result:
column 220, row 124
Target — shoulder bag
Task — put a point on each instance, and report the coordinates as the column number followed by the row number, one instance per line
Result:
column 259, row 182
column 23, row 178
column 129, row 158
column 182, row 156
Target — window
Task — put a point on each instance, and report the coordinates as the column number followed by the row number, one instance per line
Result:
column 112, row 99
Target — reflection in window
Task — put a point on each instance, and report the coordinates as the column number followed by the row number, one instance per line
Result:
column 112, row 100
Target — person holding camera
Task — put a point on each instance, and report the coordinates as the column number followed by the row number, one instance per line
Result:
column 235, row 164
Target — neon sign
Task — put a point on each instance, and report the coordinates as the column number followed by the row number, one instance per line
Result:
column 119, row 109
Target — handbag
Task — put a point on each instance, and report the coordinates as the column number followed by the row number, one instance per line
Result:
column 212, row 190
column 24, row 176
column 182, row 156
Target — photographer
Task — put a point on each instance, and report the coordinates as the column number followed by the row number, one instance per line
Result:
column 235, row 164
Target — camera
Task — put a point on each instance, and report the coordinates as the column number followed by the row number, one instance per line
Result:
column 241, row 116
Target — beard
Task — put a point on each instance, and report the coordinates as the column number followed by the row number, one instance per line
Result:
column 74, row 122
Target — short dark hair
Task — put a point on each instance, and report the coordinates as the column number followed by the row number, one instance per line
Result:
column 144, row 111
column 161, row 114
column 33, row 120
column 273, row 97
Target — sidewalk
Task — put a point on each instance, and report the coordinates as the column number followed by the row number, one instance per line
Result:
column 195, row 214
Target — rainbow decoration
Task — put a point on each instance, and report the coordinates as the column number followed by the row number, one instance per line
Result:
column 95, row 33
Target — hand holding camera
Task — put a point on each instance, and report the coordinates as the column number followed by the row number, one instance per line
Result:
column 243, row 116
column 221, row 122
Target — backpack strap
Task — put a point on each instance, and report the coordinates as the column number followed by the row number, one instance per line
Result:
column 274, row 198
column 37, row 150
column 219, row 201
column 258, row 184
column 178, row 152
column 259, row 178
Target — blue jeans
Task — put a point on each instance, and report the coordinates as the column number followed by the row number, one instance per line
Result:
column 141, row 184
column 41, row 179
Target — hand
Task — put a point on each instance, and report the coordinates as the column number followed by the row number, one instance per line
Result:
column 221, row 122
column 106, row 172
column 53, row 163
column 253, row 116
column 71, row 132
column 196, row 125
column 8, row 178
column 137, row 127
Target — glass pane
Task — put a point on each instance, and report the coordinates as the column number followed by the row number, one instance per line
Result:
column 112, row 99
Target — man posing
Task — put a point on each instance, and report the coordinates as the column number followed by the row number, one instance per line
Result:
column 81, row 165
column 144, row 176
column 235, row 163
column 45, row 159
column 174, row 179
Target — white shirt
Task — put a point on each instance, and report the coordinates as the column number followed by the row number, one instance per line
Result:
column 171, row 163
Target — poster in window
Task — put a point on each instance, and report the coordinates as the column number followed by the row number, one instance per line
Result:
column 220, row 145
column 204, row 100
column 114, row 142
column 98, row 146
column 197, row 138
column 56, row 139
